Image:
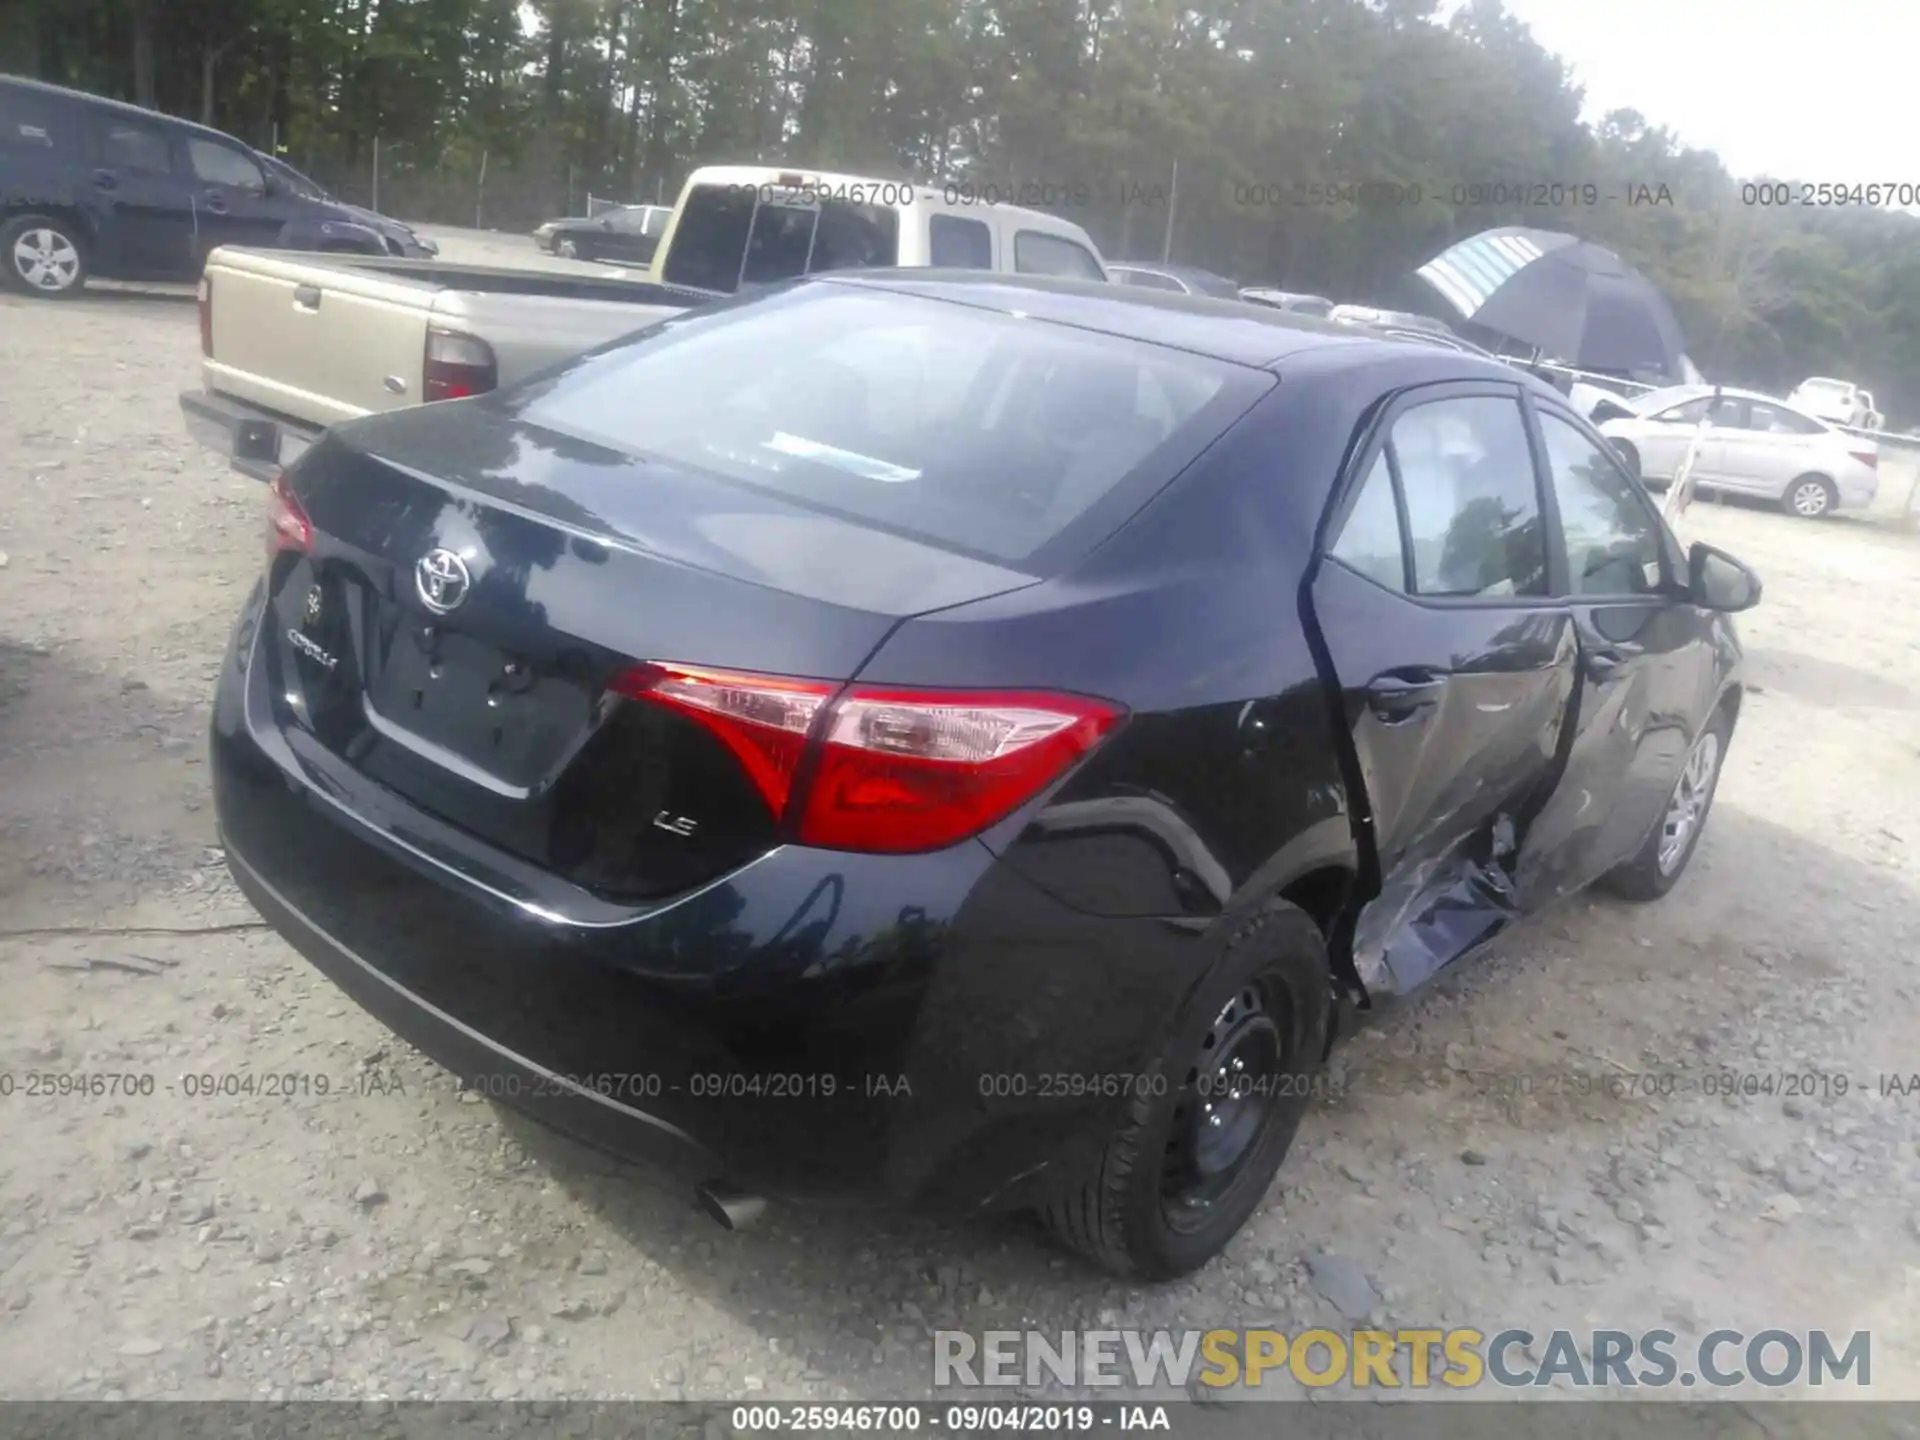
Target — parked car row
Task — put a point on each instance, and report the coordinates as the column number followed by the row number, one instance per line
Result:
column 850, row 656
column 1756, row 445
column 94, row 187
column 752, row 655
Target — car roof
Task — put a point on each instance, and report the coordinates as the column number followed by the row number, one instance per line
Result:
column 1680, row 394
column 1232, row 330
column 121, row 106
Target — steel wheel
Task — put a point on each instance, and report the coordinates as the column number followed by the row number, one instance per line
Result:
column 1689, row 802
column 45, row 260
column 1810, row 498
column 1231, row 1092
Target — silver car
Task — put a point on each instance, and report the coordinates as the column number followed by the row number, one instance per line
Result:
column 1756, row 445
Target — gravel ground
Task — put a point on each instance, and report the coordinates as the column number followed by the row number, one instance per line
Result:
column 401, row 1239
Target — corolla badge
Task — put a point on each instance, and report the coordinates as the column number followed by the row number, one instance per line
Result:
column 442, row 579
column 307, row 647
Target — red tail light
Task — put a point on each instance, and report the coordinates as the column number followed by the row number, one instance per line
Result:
column 1868, row 458
column 206, row 315
column 763, row 719
column 907, row 770
column 457, row 366
column 287, row 525
column 891, row 770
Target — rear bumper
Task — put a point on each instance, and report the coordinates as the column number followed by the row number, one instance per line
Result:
column 573, row 1104
column 1858, row 486
column 256, row 442
column 929, row 1029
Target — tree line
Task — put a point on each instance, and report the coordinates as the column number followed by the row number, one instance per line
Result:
column 1321, row 145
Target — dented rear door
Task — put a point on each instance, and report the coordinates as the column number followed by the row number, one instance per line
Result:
column 1455, row 669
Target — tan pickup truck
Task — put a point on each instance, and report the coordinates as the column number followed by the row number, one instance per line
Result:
column 293, row 343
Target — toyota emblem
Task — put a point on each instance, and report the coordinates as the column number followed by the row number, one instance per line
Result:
column 442, row 579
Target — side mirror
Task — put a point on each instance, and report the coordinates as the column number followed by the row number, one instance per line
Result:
column 1717, row 581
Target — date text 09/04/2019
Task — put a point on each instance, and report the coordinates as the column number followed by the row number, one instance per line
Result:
column 1457, row 194
column 956, row 1419
column 1809, row 1084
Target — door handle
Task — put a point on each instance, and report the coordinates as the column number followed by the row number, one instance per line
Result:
column 105, row 180
column 306, row 297
column 1398, row 696
column 1603, row 665
column 216, row 205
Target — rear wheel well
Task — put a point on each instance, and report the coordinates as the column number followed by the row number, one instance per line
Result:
column 1730, row 705
column 1323, row 895
column 1326, row 897
column 73, row 221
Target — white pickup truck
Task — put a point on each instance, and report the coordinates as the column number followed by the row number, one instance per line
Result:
column 1838, row 402
column 293, row 343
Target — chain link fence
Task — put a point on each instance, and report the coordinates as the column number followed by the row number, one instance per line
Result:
column 458, row 186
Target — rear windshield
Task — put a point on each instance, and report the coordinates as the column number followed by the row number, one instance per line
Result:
column 734, row 235
column 1831, row 387
column 973, row 430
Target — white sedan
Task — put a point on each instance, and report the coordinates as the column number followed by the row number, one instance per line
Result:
column 1757, row 445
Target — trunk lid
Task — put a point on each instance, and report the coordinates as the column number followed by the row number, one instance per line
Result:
column 476, row 684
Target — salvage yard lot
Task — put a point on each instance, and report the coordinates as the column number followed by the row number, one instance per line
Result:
column 1488, row 1157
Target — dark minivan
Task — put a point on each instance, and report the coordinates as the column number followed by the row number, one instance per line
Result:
column 96, row 187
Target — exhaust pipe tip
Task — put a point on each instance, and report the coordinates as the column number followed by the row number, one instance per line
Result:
column 727, row 1207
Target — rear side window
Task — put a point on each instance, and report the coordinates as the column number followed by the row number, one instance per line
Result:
column 1472, row 504
column 1776, row 421
column 1691, row 413
column 731, row 235
column 956, row 243
column 643, row 220
column 972, row 430
column 32, row 122
column 1037, row 253
column 129, row 144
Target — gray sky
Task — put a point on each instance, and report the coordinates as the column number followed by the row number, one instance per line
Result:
column 1800, row 89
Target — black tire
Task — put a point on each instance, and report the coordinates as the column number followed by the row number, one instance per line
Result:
column 1811, row 497
column 1629, row 454
column 1108, row 1200
column 62, row 270
column 1645, row 876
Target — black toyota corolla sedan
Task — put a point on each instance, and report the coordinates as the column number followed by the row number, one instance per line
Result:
column 959, row 740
